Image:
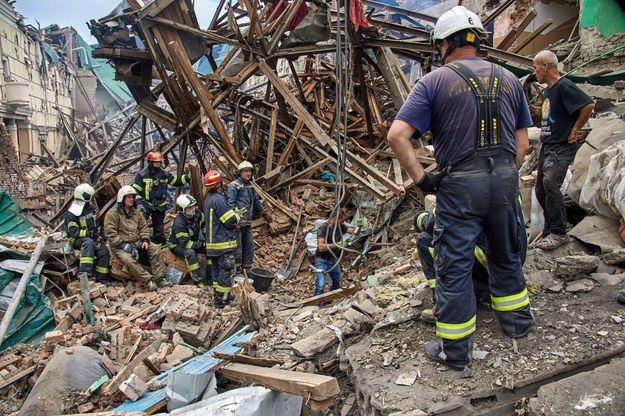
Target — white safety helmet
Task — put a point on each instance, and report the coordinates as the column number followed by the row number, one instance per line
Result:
column 84, row 192
column 455, row 20
column 185, row 201
column 245, row 165
column 125, row 190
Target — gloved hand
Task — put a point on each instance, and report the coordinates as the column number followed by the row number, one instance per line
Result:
column 131, row 249
column 197, row 245
column 240, row 212
column 267, row 216
column 360, row 222
column 430, row 181
column 342, row 244
column 187, row 177
column 420, row 220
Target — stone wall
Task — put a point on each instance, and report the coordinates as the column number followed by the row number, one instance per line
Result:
column 593, row 45
column 14, row 180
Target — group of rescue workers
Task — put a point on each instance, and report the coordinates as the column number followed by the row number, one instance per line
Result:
column 472, row 246
column 221, row 232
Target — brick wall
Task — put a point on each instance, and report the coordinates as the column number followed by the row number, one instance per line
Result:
column 12, row 179
column 593, row 45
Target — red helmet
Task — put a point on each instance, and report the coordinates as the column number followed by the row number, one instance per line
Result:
column 154, row 156
column 212, row 179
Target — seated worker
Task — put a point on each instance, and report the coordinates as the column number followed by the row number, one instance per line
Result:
column 221, row 237
column 85, row 235
column 329, row 248
column 127, row 232
column 151, row 186
column 187, row 237
column 424, row 223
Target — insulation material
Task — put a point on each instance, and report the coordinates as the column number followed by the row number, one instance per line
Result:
column 603, row 192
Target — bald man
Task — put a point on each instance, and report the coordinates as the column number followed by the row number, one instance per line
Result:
column 565, row 110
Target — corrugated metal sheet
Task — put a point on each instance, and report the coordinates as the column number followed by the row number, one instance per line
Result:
column 10, row 223
column 198, row 365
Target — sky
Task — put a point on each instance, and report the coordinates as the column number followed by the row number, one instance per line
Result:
column 77, row 12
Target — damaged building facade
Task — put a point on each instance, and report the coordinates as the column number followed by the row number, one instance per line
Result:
column 306, row 93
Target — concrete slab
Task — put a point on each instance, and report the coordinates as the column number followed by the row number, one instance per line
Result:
column 600, row 392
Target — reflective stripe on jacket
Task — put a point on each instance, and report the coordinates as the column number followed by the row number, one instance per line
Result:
column 84, row 226
column 187, row 233
column 221, row 221
column 241, row 194
column 151, row 186
column 121, row 228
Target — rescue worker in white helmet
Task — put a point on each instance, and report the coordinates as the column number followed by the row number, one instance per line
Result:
column 243, row 197
column 477, row 143
column 127, row 232
column 187, row 239
column 84, row 233
column 221, row 238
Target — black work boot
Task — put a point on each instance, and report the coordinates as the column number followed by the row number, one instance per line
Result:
column 434, row 351
column 105, row 279
column 220, row 300
column 163, row 282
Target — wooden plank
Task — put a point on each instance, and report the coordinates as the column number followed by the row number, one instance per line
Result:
column 246, row 359
column 327, row 297
column 271, row 141
column 309, row 170
column 311, row 386
column 533, row 35
column 516, row 30
column 284, row 157
column 316, row 129
column 186, row 70
column 113, row 385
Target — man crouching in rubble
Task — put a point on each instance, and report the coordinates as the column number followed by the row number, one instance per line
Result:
column 84, row 235
column 222, row 223
column 329, row 245
column 127, row 232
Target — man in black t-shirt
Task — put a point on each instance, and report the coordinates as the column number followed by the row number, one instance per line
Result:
column 329, row 245
column 565, row 110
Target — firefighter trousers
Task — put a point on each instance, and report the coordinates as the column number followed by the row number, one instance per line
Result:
column 89, row 251
column 480, row 194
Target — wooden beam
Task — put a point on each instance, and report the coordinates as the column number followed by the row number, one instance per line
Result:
column 516, row 30
column 271, row 141
column 246, row 359
column 297, row 130
column 316, row 129
column 285, row 19
column 327, row 297
column 533, row 35
column 113, row 385
column 184, row 68
column 491, row 17
column 301, row 174
column 311, row 386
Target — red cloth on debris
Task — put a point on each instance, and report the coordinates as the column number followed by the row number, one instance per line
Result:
column 357, row 15
column 299, row 16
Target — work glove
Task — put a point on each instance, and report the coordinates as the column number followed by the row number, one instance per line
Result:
column 430, row 181
column 197, row 245
column 240, row 212
column 342, row 244
column 267, row 216
column 360, row 222
column 187, row 177
column 131, row 249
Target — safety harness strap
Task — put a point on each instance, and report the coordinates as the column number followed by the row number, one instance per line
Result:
column 487, row 103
